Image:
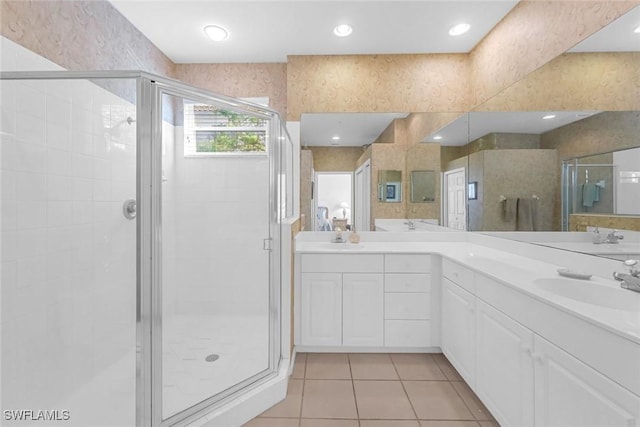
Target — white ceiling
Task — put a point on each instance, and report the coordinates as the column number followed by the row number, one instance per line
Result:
column 354, row 129
column 268, row 31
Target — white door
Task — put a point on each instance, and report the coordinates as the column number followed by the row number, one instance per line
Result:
column 569, row 393
column 455, row 203
column 362, row 192
column 504, row 366
column 362, row 312
column 458, row 329
column 321, row 309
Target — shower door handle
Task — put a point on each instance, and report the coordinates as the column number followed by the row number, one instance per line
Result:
column 129, row 209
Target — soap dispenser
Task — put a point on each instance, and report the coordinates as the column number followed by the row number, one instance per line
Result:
column 354, row 237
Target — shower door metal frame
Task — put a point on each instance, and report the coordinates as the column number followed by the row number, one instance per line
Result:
column 157, row 88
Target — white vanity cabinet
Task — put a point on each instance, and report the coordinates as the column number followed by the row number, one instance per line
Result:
column 458, row 319
column 341, row 300
column 504, row 366
column 570, row 393
column 407, row 300
column 365, row 300
column 362, row 305
column 321, row 308
column 525, row 380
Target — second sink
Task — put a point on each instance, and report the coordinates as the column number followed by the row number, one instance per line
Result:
column 591, row 293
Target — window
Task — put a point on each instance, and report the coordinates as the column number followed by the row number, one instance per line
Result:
column 210, row 130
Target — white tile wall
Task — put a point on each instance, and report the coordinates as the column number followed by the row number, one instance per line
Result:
column 67, row 253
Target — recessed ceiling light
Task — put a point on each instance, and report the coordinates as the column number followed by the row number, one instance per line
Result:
column 637, row 30
column 437, row 138
column 216, row 32
column 335, row 138
column 342, row 30
column 459, row 29
column 549, row 116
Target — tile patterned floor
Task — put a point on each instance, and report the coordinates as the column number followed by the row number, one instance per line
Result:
column 376, row 390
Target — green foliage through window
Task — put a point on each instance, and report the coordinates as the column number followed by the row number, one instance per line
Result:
column 223, row 131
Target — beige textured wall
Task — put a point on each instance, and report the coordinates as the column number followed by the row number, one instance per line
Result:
column 81, row 35
column 240, row 81
column 603, row 132
column 423, row 157
column 607, row 81
column 580, row 222
column 532, row 34
column 377, row 83
column 504, row 141
column 519, row 174
column 335, row 159
column 387, row 157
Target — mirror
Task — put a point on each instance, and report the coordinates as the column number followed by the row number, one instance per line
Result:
column 390, row 186
column 423, row 186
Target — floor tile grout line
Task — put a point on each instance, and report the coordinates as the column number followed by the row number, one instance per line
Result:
column 353, row 387
column 403, row 388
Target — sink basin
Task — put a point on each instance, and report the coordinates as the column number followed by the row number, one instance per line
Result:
column 591, row 293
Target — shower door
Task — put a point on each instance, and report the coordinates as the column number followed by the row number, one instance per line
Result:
column 214, row 325
column 576, row 177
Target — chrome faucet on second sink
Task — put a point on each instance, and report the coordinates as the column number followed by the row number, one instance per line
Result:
column 629, row 280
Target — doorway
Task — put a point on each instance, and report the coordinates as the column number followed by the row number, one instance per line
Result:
column 333, row 200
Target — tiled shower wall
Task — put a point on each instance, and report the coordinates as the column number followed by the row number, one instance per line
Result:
column 68, row 254
column 215, row 211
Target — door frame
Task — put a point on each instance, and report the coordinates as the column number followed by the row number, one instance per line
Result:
column 362, row 211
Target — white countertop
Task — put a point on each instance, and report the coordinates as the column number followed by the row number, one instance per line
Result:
column 517, row 271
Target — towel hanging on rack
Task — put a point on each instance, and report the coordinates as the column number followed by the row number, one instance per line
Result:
column 590, row 194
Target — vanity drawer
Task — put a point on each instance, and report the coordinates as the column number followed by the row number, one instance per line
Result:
column 398, row 282
column 458, row 274
column 407, row 306
column 341, row 263
column 407, row 333
column 409, row 263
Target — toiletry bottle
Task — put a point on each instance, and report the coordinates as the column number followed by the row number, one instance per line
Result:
column 354, row 237
column 596, row 236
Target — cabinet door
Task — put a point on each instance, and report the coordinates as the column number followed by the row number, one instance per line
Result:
column 504, row 366
column 569, row 393
column 362, row 312
column 321, row 309
column 458, row 336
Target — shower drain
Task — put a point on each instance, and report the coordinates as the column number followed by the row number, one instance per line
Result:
column 212, row 358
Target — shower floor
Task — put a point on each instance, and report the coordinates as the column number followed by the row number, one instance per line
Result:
column 240, row 341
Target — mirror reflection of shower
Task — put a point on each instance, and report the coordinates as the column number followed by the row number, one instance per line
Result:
column 606, row 183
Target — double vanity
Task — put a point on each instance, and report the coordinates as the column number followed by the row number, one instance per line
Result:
column 538, row 349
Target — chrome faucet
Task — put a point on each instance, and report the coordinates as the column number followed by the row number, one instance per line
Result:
column 612, row 237
column 629, row 280
column 411, row 225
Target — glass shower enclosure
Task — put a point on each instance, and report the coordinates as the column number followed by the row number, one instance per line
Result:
column 140, row 248
column 588, row 186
